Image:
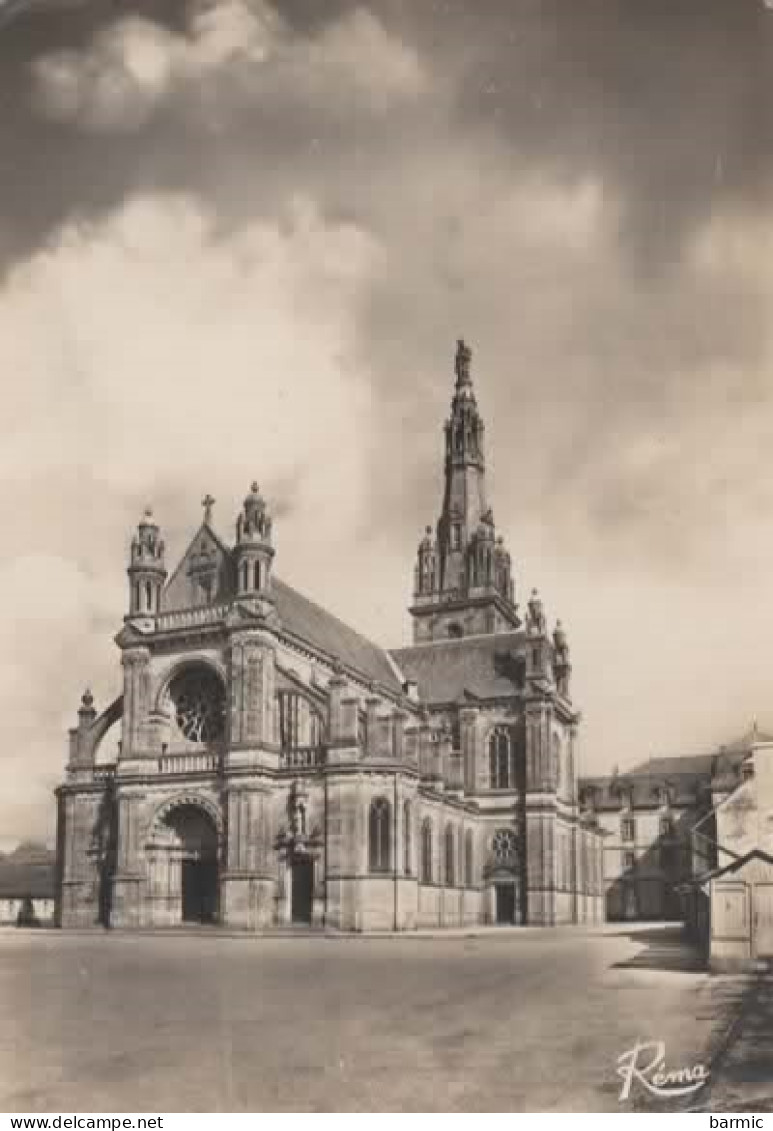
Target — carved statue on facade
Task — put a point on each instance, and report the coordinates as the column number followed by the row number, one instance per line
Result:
column 537, row 621
column 462, row 363
column 560, row 644
column 254, row 521
column 296, row 811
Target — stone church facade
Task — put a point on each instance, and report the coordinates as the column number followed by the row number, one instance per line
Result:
column 275, row 767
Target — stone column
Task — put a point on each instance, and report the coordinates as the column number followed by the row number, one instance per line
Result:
column 130, row 881
column 136, row 698
column 250, row 872
column 472, row 761
column 252, row 677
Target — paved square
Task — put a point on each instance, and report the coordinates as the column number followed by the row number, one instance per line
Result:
column 528, row 1020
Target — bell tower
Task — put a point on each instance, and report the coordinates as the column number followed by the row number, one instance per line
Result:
column 463, row 579
column 147, row 572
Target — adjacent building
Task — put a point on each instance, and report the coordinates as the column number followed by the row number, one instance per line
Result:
column 27, row 886
column 652, row 817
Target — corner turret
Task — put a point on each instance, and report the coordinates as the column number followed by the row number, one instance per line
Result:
column 253, row 552
column 147, row 572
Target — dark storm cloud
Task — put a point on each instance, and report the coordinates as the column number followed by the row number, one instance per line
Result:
column 665, row 105
column 669, row 99
column 579, row 187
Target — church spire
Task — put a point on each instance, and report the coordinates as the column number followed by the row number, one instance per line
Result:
column 465, row 569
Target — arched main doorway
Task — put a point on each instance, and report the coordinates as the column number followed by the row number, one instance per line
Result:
column 191, row 842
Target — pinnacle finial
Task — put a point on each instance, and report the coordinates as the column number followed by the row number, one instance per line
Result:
column 462, row 363
column 208, row 503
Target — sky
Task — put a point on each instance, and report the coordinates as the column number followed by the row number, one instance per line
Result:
column 239, row 240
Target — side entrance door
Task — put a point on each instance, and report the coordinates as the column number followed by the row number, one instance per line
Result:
column 302, row 890
column 505, row 903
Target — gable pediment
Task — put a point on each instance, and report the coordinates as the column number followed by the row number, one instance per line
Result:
column 204, row 575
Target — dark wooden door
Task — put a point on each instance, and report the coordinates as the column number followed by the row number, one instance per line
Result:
column 505, row 896
column 303, row 890
column 199, row 891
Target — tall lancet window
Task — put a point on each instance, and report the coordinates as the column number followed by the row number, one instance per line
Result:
column 501, row 760
column 407, row 838
column 426, row 851
column 450, row 854
column 468, row 860
column 379, row 834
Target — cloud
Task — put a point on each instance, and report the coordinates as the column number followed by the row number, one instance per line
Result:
column 173, row 360
column 241, row 243
column 237, row 50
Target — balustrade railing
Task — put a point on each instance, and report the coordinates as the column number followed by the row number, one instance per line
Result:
column 191, row 618
column 189, row 762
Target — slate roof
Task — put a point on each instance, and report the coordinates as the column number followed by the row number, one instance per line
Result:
column 733, row 866
column 301, row 616
column 645, row 788
column 309, row 621
column 687, row 774
column 484, row 666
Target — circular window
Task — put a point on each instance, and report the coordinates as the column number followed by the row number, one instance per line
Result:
column 505, row 846
column 198, row 701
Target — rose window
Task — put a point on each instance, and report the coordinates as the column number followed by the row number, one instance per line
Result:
column 505, row 846
column 199, row 705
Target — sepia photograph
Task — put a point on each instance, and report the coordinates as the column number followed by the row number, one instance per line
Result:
column 386, row 448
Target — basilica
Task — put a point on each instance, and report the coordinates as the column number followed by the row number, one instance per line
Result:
column 275, row 768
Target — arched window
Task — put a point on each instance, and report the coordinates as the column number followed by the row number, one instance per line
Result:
column 426, row 851
column 148, row 597
column 256, row 569
column 407, row 845
column 469, row 872
column 501, row 761
column 300, row 725
column 450, row 857
column 379, row 829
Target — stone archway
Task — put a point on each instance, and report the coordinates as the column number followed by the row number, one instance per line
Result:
column 184, row 864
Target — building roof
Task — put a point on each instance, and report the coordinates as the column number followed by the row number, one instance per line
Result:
column 733, row 866
column 686, row 774
column 483, row 667
column 299, row 615
column 307, row 620
column 643, row 788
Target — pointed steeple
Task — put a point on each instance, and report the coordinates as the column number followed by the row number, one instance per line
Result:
column 466, row 569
